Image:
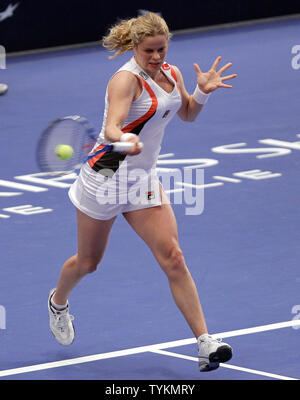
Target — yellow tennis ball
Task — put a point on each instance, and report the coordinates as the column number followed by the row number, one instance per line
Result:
column 64, row 151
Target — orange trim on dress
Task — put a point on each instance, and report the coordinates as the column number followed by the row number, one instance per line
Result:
column 128, row 128
column 92, row 161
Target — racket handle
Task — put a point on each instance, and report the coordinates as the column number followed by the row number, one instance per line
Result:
column 124, row 146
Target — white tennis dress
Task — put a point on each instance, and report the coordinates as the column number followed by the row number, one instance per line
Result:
column 112, row 183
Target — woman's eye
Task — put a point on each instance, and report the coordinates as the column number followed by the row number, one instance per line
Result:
column 149, row 51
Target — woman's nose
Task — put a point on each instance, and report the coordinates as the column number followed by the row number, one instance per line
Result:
column 156, row 55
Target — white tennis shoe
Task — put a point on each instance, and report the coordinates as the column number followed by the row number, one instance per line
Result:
column 212, row 352
column 61, row 324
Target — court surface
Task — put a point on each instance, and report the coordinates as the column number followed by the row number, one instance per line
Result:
column 242, row 248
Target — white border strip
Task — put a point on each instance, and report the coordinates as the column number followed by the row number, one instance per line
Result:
column 142, row 349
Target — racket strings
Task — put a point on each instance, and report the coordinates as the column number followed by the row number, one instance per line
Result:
column 66, row 132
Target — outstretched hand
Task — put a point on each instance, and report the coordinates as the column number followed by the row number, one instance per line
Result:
column 211, row 80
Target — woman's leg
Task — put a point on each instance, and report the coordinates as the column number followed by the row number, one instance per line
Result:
column 92, row 241
column 157, row 227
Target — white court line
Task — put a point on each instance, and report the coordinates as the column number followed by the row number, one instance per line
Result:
column 257, row 329
column 142, row 349
column 229, row 366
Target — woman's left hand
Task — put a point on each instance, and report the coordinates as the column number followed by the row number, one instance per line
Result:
column 211, row 80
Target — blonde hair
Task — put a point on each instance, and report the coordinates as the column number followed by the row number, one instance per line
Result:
column 123, row 36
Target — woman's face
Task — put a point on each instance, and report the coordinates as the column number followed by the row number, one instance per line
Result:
column 151, row 53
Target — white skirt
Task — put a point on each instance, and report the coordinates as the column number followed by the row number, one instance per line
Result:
column 102, row 197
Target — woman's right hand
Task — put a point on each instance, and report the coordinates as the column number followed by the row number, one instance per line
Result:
column 132, row 138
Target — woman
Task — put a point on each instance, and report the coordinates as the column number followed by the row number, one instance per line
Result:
column 142, row 97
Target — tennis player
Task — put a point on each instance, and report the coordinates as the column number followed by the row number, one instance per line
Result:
column 141, row 99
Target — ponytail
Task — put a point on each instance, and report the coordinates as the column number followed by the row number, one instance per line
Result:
column 123, row 36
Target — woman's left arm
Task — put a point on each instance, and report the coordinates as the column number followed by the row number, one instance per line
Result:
column 206, row 83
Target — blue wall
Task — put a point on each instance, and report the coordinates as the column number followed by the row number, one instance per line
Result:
column 41, row 23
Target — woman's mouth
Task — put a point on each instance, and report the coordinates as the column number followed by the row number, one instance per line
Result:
column 156, row 64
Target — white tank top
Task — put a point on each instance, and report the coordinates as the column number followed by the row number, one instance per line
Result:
column 148, row 116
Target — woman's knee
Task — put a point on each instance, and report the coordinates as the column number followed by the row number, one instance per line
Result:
column 174, row 263
column 87, row 265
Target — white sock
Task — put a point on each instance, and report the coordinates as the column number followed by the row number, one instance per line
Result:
column 204, row 336
column 58, row 306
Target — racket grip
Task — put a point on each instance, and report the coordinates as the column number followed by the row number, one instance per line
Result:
column 124, row 146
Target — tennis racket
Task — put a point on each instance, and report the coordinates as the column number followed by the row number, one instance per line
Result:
column 78, row 136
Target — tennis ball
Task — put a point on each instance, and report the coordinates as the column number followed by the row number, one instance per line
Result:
column 64, row 151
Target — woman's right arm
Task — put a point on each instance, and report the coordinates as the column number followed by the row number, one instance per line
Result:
column 123, row 89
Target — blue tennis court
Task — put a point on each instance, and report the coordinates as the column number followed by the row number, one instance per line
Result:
column 242, row 249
